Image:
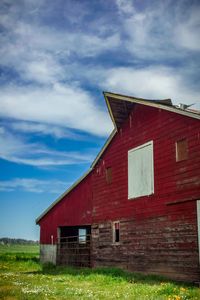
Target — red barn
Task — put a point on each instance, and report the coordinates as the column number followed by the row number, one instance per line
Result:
column 138, row 206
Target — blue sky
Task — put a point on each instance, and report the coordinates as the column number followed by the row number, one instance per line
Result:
column 56, row 58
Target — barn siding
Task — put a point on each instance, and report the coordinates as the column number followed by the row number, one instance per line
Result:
column 157, row 245
column 74, row 209
column 160, row 237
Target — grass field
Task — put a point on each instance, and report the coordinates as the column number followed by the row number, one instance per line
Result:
column 20, row 249
column 23, row 277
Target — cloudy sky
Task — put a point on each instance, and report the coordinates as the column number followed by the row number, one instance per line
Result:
column 56, row 58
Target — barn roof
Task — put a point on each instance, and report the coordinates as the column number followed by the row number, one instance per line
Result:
column 119, row 107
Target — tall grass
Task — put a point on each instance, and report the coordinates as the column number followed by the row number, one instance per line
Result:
column 23, row 277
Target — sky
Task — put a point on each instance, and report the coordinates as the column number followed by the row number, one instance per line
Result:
column 56, row 58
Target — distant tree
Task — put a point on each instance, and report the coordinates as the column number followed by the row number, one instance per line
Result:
column 6, row 241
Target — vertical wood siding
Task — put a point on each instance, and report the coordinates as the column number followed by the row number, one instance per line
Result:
column 173, row 180
column 74, row 209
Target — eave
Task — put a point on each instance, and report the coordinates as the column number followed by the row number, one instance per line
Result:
column 120, row 106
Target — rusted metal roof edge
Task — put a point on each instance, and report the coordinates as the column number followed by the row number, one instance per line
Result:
column 64, row 194
column 152, row 103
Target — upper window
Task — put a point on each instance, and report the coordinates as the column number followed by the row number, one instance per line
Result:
column 108, row 175
column 181, row 150
column 140, row 171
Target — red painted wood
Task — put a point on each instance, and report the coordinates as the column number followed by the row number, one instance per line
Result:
column 173, row 180
column 74, row 209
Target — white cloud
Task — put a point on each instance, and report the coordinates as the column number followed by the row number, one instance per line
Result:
column 43, row 70
column 15, row 149
column 151, row 83
column 44, row 129
column 187, row 33
column 93, row 45
column 42, row 53
column 160, row 31
column 125, row 6
column 34, row 185
column 58, row 105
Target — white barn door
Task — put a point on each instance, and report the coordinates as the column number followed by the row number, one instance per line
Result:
column 140, row 171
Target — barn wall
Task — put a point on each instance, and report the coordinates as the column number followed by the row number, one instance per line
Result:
column 159, row 245
column 166, row 233
column 74, row 209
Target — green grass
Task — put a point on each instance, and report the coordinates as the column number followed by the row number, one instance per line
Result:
column 19, row 248
column 23, row 277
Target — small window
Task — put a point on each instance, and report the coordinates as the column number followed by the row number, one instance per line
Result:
column 181, row 150
column 82, row 236
column 116, row 232
column 108, row 175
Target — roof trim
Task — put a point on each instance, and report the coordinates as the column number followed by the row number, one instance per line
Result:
column 152, row 103
column 110, row 110
column 63, row 195
column 104, row 148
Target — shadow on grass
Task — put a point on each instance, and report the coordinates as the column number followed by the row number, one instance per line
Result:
column 34, row 259
column 19, row 257
column 131, row 277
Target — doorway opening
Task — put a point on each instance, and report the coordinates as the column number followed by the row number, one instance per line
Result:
column 73, row 246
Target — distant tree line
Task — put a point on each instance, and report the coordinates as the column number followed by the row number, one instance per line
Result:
column 9, row 241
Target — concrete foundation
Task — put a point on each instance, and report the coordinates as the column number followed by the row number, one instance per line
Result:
column 48, row 253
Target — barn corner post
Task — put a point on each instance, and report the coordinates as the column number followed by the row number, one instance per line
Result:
column 58, row 246
column 198, row 228
column 91, row 249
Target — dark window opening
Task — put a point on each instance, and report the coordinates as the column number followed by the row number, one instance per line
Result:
column 108, row 175
column 73, row 246
column 116, row 232
column 181, row 150
column 116, row 235
column 75, row 233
